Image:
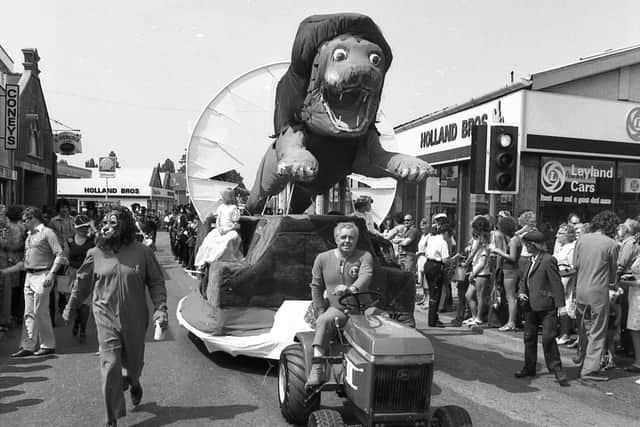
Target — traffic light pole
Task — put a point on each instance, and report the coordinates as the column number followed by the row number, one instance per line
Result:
column 493, row 206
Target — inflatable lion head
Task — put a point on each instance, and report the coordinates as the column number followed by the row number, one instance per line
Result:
column 334, row 83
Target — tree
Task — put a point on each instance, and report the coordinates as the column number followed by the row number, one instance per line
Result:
column 90, row 163
column 167, row 166
column 183, row 163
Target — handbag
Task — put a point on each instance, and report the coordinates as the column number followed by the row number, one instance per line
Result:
column 460, row 273
column 566, row 270
column 63, row 284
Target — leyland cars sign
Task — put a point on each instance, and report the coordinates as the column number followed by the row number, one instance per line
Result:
column 577, row 181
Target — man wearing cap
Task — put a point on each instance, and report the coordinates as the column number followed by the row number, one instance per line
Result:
column 542, row 288
column 407, row 242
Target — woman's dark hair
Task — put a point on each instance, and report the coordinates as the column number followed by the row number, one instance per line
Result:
column 481, row 228
column 126, row 229
column 507, row 225
column 605, row 221
column 441, row 226
column 14, row 213
column 33, row 212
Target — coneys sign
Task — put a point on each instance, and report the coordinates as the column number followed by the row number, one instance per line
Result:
column 12, row 100
column 577, row 181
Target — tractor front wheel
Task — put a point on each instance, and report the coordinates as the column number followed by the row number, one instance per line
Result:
column 295, row 401
column 325, row 418
column 451, row 416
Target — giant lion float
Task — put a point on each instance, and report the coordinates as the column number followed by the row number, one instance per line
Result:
column 325, row 111
column 326, row 107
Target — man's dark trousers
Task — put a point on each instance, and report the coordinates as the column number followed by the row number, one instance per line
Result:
column 548, row 319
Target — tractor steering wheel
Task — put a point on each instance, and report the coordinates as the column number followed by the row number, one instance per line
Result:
column 357, row 304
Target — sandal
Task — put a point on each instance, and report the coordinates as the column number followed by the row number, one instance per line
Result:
column 507, row 328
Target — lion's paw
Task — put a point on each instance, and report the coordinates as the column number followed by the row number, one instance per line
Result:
column 410, row 168
column 301, row 166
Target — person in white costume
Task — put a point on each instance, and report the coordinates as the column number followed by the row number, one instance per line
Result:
column 223, row 242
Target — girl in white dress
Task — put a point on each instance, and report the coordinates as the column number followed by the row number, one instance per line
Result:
column 223, row 242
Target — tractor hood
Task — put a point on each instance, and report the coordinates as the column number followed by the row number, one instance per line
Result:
column 379, row 336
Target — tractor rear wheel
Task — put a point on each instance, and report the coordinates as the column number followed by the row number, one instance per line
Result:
column 295, row 403
column 451, row 416
column 325, row 418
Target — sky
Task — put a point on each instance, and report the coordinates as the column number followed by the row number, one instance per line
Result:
column 134, row 76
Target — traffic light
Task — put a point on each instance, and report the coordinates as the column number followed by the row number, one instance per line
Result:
column 503, row 160
column 478, row 159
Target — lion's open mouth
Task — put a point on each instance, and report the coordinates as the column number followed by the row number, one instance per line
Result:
column 348, row 109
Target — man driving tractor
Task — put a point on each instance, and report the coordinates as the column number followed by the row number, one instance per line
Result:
column 336, row 271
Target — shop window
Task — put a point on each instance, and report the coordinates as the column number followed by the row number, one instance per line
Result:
column 441, row 193
column 627, row 197
column 34, row 139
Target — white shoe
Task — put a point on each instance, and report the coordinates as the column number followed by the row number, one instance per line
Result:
column 563, row 340
column 468, row 321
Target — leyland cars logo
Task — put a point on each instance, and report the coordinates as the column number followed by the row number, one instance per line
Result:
column 633, row 124
column 552, row 176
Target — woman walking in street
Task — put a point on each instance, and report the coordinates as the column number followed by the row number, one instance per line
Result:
column 118, row 272
column 79, row 245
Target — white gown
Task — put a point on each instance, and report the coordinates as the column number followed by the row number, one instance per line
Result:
column 223, row 242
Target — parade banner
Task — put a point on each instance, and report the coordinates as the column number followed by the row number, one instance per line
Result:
column 577, row 181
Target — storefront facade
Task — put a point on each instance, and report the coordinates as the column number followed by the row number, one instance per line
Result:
column 128, row 187
column 579, row 144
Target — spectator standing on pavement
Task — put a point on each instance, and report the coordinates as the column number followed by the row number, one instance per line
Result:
column 633, row 318
column 63, row 225
column 629, row 251
column 407, row 242
column 480, row 275
column 509, row 263
column 436, row 252
column 595, row 259
column 12, row 245
column 541, row 287
column 43, row 256
column 425, row 230
column 119, row 271
column 565, row 246
column 446, row 300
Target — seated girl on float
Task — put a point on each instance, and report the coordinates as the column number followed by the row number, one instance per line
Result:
column 222, row 243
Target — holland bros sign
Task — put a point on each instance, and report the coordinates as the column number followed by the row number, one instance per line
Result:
column 449, row 132
column 124, row 191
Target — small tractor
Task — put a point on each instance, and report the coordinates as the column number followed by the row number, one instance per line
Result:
column 382, row 368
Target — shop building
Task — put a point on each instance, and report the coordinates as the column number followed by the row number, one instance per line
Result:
column 129, row 186
column 578, row 132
